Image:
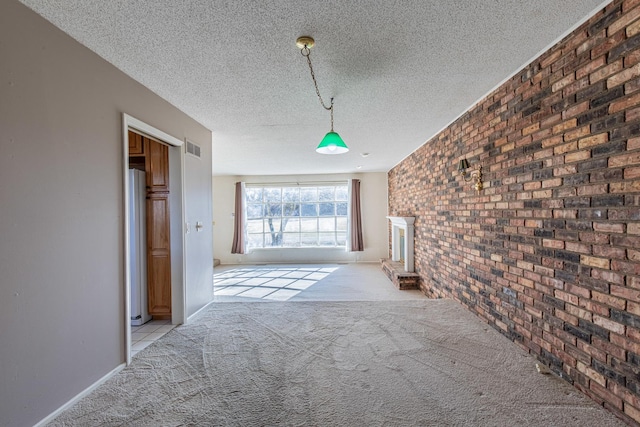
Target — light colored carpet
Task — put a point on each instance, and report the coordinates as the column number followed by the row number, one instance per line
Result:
column 392, row 363
column 343, row 282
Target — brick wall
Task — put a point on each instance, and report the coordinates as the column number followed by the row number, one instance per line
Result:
column 549, row 252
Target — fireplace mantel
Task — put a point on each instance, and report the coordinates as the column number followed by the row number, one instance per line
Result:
column 402, row 223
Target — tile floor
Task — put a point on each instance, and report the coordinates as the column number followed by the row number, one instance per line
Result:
column 144, row 335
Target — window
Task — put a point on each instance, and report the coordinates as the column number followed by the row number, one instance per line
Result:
column 296, row 216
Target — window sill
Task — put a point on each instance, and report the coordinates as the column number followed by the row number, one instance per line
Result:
column 297, row 248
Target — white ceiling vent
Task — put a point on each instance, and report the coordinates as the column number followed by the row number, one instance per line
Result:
column 193, row 149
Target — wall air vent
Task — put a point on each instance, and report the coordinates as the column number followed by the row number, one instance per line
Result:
column 193, row 149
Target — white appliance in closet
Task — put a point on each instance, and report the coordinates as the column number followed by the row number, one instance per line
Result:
column 137, row 247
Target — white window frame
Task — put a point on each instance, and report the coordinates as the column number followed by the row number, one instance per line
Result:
column 318, row 217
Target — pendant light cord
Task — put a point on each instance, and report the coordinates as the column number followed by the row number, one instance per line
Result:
column 306, row 52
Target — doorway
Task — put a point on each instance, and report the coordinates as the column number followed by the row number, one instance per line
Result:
column 176, row 219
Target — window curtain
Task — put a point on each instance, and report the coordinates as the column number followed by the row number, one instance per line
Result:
column 238, row 221
column 355, row 217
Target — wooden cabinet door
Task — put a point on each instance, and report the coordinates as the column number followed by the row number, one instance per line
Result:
column 136, row 144
column 158, row 254
column 157, row 163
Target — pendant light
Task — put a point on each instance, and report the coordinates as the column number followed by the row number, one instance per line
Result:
column 332, row 143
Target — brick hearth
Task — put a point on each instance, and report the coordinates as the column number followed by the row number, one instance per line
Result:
column 398, row 276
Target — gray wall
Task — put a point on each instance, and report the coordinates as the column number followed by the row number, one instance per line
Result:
column 61, row 213
column 375, row 228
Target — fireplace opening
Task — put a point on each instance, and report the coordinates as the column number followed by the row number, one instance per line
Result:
column 402, row 232
column 399, row 269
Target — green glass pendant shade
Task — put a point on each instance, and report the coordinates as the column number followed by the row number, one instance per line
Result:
column 332, row 144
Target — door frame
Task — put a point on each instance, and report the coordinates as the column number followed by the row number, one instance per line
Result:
column 177, row 235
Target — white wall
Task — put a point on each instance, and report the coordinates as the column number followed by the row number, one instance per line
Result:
column 373, row 193
column 61, row 213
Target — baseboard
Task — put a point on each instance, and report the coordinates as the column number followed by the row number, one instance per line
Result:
column 79, row 396
column 190, row 318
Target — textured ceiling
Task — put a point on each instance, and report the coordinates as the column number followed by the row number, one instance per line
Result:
column 400, row 71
